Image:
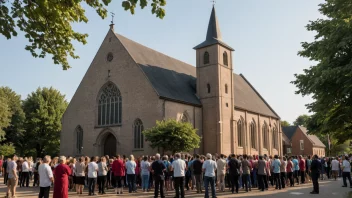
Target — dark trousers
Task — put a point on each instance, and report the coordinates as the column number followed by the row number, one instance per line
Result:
column 188, row 177
column 179, row 186
column 131, row 178
column 290, row 177
column 6, row 176
column 246, row 181
column 234, row 182
column 198, row 182
column 91, row 185
column 209, row 181
column 277, row 180
column 44, row 192
column 159, row 185
column 345, row 176
column 118, row 182
column 261, row 182
column 283, row 179
column 36, row 179
column 101, row 183
column 295, row 175
column 303, row 176
column 25, row 178
column 315, row 177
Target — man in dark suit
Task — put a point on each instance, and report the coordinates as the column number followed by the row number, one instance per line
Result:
column 315, row 171
column 234, row 168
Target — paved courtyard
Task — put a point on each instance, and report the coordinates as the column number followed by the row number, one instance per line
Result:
column 328, row 189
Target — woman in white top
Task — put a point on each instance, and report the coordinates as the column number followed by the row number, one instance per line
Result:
column 102, row 172
column 131, row 174
column 145, row 172
column 80, row 167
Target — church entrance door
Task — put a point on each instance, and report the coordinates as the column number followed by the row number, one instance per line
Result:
column 110, row 145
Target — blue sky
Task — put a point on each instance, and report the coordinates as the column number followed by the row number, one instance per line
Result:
column 265, row 34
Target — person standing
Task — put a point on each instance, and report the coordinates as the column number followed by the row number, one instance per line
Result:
column 102, row 172
column 158, row 168
column 25, row 172
column 302, row 169
column 296, row 169
column 246, row 167
column 131, row 174
column 118, row 168
column 290, row 170
column 61, row 172
column 314, row 169
column 346, row 171
column 197, row 170
column 179, row 168
column 12, row 176
column 209, row 167
column 276, row 170
column 261, row 167
column 234, row 172
column 5, row 172
column 45, row 177
column 92, row 175
column 145, row 172
column 221, row 171
column 80, row 175
column 283, row 174
column 335, row 168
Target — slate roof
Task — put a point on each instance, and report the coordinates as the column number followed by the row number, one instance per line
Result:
column 175, row 80
column 289, row 131
column 213, row 33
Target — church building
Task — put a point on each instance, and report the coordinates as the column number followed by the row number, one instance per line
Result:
column 129, row 86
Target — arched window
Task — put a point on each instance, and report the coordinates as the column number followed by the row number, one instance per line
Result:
column 240, row 137
column 138, row 135
column 226, row 89
column 109, row 105
column 79, row 139
column 275, row 141
column 265, row 132
column 225, row 59
column 252, row 130
column 208, row 87
column 206, row 58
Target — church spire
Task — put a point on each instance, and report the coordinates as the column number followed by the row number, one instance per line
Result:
column 213, row 33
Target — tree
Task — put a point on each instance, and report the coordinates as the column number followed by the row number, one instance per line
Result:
column 302, row 120
column 7, row 149
column 284, row 123
column 174, row 136
column 48, row 24
column 329, row 82
column 14, row 132
column 44, row 109
column 5, row 117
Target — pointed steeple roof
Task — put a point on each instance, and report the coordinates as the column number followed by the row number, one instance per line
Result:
column 213, row 33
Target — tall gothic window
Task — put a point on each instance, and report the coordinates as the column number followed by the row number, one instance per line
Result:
column 265, row 132
column 110, row 105
column 206, row 58
column 226, row 88
column 138, row 135
column 225, row 59
column 240, row 127
column 208, row 88
column 79, row 139
column 275, row 141
column 252, row 130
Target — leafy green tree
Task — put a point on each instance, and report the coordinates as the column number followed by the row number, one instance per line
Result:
column 174, row 136
column 14, row 132
column 44, row 109
column 48, row 24
column 302, row 120
column 284, row 123
column 7, row 149
column 329, row 82
column 5, row 117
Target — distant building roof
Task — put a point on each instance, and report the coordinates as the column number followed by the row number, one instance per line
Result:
column 289, row 131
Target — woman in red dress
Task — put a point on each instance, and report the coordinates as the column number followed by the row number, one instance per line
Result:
column 62, row 171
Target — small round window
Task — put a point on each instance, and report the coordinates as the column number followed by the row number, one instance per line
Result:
column 110, row 57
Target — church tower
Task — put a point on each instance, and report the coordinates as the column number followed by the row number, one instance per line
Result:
column 215, row 90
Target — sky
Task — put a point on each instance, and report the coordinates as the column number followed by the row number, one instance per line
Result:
column 266, row 36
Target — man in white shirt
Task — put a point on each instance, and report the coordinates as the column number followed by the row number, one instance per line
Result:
column 346, row 172
column 334, row 167
column 25, row 173
column 221, row 164
column 45, row 177
column 179, row 168
column 92, row 175
column 209, row 167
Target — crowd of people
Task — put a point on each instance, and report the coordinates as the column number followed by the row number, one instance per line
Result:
column 178, row 172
